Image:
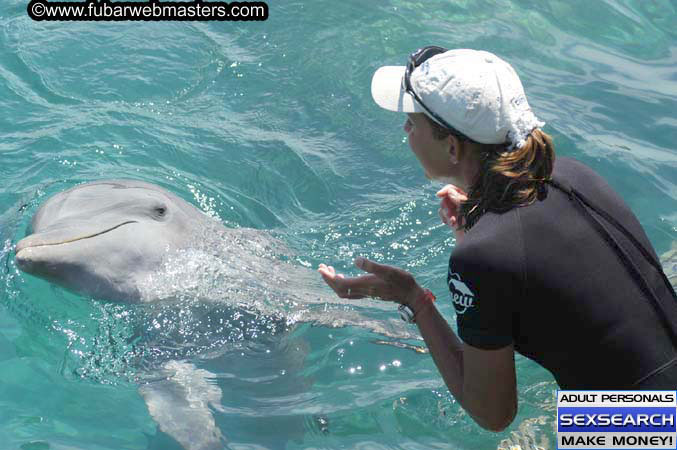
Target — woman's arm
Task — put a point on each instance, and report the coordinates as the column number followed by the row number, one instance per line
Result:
column 482, row 381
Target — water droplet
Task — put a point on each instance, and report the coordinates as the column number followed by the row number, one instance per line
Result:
column 322, row 424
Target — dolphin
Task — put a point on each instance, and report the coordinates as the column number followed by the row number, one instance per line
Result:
column 135, row 242
column 101, row 239
column 105, row 239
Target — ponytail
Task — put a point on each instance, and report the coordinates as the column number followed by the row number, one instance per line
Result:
column 509, row 178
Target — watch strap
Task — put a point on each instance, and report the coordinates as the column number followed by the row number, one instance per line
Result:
column 408, row 314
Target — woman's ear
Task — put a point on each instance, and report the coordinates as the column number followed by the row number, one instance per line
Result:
column 455, row 148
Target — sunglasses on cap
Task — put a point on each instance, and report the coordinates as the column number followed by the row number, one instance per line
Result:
column 416, row 59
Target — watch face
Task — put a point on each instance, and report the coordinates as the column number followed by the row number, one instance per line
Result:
column 406, row 313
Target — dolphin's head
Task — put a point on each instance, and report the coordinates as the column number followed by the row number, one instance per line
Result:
column 100, row 238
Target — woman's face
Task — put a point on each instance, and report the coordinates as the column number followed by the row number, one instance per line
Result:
column 434, row 154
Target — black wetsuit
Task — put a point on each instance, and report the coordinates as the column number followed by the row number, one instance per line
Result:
column 542, row 278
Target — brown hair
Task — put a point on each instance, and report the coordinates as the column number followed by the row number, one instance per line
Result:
column 506, row 178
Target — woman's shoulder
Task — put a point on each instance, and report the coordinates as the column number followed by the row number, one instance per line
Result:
column 497, row 239
column 574, row 172
column 565, row 165
column 493, row 243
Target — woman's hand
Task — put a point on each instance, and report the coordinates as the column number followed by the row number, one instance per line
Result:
column 384, row 282
column 450, row 207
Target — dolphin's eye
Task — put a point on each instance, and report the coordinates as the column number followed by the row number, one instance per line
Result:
column 160, row 211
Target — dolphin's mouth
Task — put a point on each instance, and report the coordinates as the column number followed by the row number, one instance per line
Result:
column 47, row 239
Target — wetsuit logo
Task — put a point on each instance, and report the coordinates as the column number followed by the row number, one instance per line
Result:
column 461, row 296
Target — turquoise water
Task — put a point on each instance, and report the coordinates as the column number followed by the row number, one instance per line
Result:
column 271, row 126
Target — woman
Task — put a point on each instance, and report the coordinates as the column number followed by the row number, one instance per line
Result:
column 549, row 261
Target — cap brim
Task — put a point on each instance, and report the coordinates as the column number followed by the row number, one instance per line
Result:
column 388, row 93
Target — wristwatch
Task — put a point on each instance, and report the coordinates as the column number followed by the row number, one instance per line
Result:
column 408, row 315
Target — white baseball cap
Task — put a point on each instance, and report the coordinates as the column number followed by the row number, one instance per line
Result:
column 474, row 91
